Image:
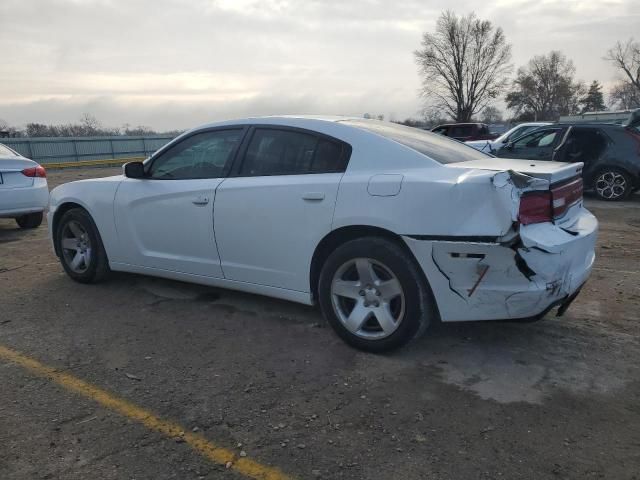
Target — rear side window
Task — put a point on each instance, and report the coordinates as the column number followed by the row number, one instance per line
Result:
column 287, row 152
column 441, row 149
column 461, row 131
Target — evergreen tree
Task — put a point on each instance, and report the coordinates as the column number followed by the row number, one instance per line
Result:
column 593, row 101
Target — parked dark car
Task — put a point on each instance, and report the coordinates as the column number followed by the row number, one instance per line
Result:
column 610, row 153
column 465, row 131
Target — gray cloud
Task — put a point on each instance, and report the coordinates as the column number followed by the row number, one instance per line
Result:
column 173, row 64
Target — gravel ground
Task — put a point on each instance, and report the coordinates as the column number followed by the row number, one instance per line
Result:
column 555, row 399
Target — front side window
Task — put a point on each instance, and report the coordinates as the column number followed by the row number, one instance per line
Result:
column 543, row 138
column 203, row 155
column 286, row 152
column 519, row 131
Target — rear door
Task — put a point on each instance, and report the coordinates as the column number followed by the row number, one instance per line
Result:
column 270, row 216
column 538, row 145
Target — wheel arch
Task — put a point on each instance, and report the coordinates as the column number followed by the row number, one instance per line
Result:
column 60, row 211
column 609, row 166
column 341, row 235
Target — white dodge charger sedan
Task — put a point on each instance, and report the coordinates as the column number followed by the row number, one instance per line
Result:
column 24, row 193
column 386, row 227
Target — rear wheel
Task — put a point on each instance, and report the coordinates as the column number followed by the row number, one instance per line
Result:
column 80, row 247
column 612, row 184
column 373, row 295
column 31, row 220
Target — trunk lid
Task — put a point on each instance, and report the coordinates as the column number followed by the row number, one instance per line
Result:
column 553, row 172
column 11, row 173
column 559, row 201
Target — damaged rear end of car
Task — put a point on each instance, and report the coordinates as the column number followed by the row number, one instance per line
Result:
column 537, row 260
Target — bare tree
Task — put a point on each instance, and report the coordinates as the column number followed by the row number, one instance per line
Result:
column 464, row 64
column 545, row 88
column 7, row 130
column 624, row 96
column 626, row 58
column 491, row 115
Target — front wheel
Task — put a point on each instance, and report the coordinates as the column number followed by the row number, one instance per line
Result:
column 612, row 184
column 80, row 248
column 374, row 296
column 31, row 220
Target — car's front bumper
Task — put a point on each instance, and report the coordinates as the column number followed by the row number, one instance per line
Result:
column 541, row 268
column 15, row 202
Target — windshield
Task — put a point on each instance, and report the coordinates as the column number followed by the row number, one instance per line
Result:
column 437, row 147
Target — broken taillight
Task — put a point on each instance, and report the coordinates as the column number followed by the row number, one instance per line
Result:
column 38, row 171
column 545, row 206
column 535, row 207
column 565, row 195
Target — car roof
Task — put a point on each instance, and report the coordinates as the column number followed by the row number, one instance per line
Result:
column 293, row 120
column 459, row 124
column 586, row 125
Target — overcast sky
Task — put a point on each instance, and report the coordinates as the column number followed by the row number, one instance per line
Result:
column 175, row 64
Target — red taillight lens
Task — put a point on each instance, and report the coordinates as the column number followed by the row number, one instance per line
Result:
column 38, row 171
column 535, row 207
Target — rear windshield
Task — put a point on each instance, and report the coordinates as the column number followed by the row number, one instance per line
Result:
column 5, row 152
column 439, row 148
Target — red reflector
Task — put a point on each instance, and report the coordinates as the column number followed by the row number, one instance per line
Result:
column 535, row 207
column 38, row 171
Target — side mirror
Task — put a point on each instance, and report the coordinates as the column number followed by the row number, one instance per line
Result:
column 133, row 170
column 509, row 146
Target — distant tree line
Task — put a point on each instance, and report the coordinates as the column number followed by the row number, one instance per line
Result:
column 87, row 126
column 465, row 66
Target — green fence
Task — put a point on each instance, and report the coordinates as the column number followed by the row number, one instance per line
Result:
column 84, row 150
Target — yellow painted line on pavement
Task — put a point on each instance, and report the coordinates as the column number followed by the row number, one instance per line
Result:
column 209, row 450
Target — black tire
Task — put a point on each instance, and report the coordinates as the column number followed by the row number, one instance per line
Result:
column 620, row 178
column 96, row 268
column 419, row 307
column 31, row 220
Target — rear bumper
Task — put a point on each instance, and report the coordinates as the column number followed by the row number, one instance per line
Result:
column 20, row 201
column 543, row 268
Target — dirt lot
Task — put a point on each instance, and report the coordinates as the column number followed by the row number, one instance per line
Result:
column 556, row 399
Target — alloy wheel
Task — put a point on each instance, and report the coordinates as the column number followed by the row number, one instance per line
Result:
column 76, row 246
column 368, row 298
column 611, row 185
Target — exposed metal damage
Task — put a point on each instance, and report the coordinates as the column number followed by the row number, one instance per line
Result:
column 522, row 271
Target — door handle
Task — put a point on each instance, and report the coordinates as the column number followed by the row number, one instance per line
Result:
column 200, row 201
column 317, row 196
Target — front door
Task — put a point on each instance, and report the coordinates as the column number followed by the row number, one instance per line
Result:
column 270, row 217
column 165, row 220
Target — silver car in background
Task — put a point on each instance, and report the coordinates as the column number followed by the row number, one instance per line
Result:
column 24, row 193
column 490, row 146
